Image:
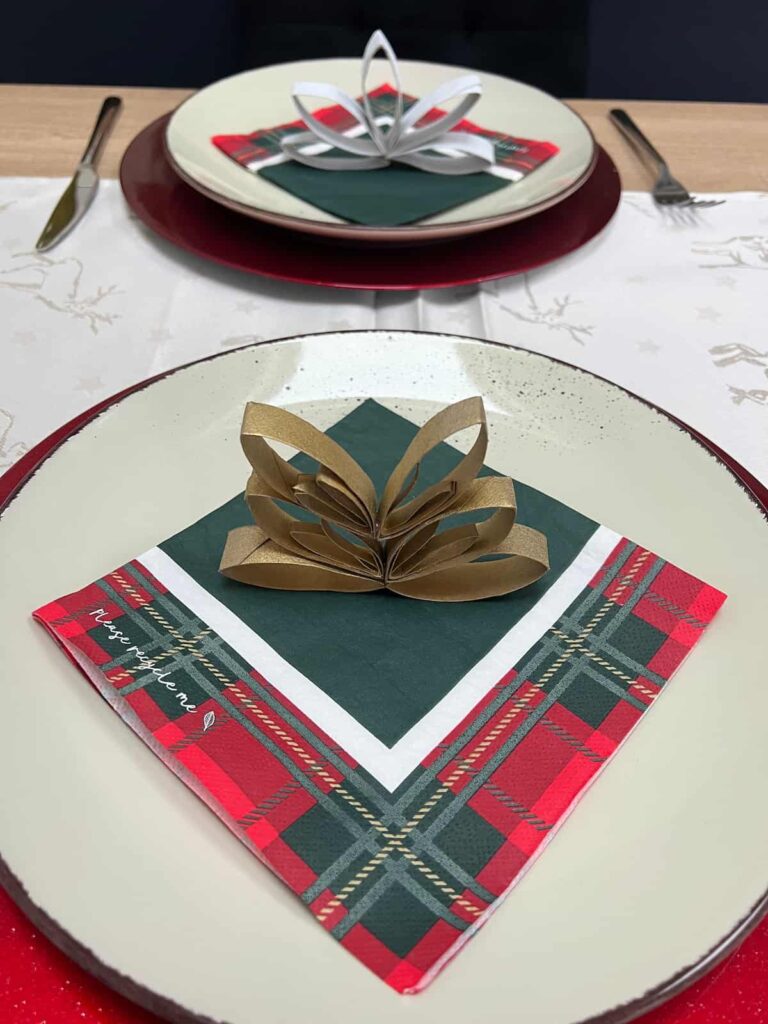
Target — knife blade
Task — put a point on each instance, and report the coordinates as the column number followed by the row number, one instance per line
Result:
column 71, row 208
column 80, row 193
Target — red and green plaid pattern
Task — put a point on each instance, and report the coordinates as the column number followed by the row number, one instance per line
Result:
column 521, row 155
column 399, row 879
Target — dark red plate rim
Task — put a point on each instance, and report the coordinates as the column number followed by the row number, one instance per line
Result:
column 188, row 219
column 14, row 479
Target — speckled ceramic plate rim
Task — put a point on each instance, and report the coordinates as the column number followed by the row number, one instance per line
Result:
column 11, row 485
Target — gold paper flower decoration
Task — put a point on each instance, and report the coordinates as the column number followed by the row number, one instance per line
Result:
column 360, row 542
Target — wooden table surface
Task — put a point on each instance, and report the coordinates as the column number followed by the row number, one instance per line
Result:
column 711, row 146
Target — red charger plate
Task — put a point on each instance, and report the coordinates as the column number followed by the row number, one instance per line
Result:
column 42, row 983
column 181, row 215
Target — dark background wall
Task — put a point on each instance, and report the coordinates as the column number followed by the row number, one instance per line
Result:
column 679, row 50
column 656, row 49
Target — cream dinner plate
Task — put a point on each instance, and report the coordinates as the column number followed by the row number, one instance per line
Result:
column 655, row 873
column 261, row 98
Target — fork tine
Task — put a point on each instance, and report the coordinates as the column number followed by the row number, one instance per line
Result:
column 675, row 203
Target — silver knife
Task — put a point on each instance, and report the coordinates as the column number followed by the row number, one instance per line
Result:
column 79, row 193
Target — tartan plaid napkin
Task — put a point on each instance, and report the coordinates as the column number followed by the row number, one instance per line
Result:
column 392, row 195
column 397, row 763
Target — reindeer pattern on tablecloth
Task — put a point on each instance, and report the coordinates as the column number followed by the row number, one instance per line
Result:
column 731, row 355
column 9, row 452
column 553, row 317
column 58, row 284
column 740, row 252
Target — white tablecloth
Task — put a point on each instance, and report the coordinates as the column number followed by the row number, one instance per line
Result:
column 673, row 308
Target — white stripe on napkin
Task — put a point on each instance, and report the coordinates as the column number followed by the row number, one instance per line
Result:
column 389, row 765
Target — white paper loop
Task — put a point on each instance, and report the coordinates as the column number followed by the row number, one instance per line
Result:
column 433, row 147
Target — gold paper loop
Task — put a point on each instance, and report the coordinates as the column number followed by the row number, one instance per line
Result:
column 431, row 504
column 340, row 491
column 250, row 557
column 397, row 543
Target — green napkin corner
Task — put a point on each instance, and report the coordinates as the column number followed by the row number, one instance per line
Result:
column 386, row 197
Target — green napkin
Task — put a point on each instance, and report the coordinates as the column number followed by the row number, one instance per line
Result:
column 390, row 196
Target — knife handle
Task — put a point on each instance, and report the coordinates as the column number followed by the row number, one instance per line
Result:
column 102, row 128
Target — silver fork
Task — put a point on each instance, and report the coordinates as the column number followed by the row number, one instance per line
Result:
column 667, row 191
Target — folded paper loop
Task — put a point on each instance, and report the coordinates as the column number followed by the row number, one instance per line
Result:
column 385, row 142
column 413, row 137
column 396, row 516
column 403, row 542
column 251, row 557
column 525, row 560
column 340, row 492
